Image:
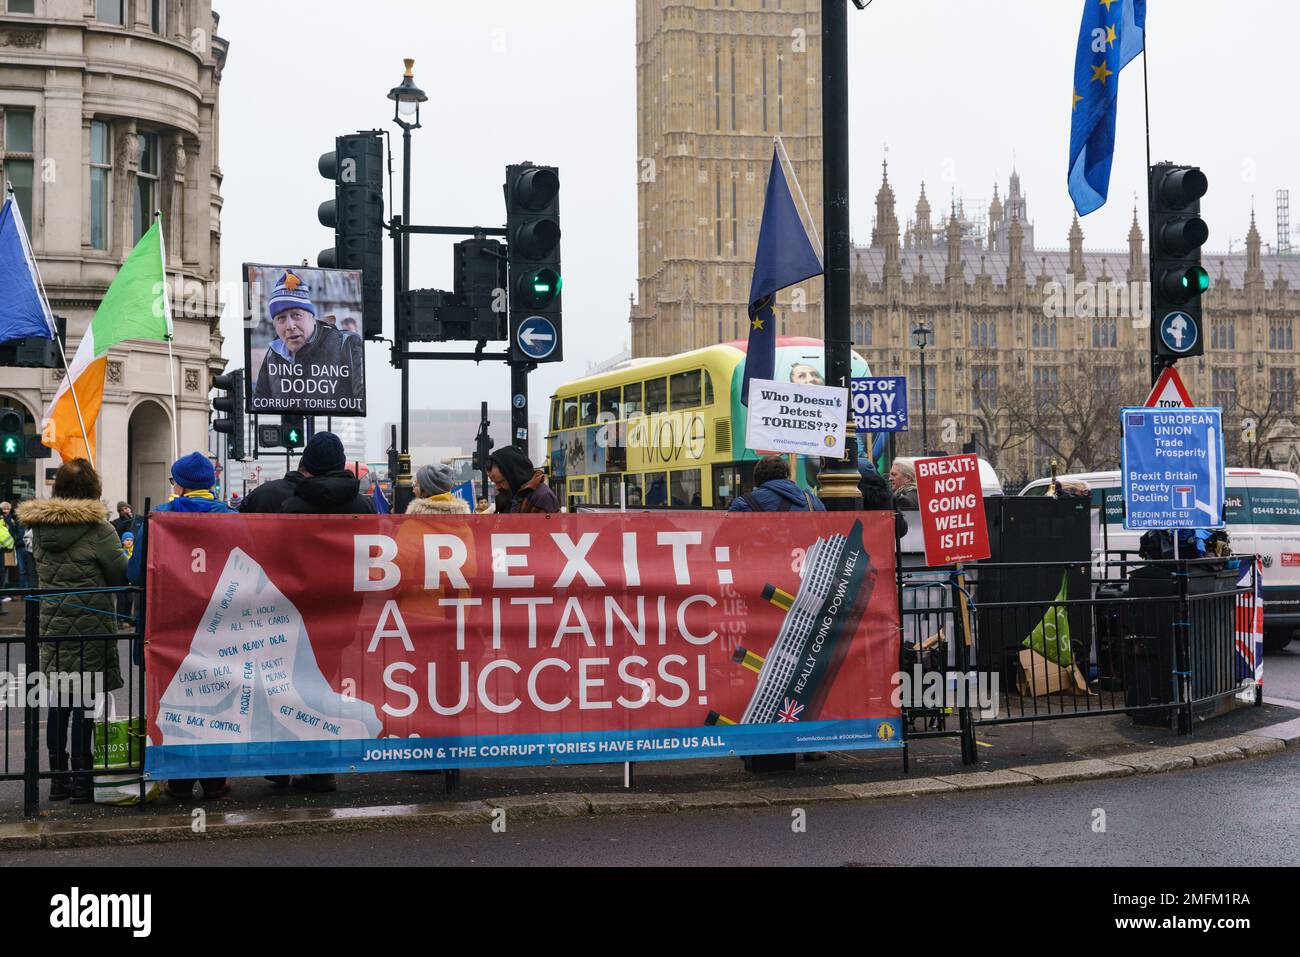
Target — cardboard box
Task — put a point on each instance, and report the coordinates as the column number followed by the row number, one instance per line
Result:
column 1038, row 677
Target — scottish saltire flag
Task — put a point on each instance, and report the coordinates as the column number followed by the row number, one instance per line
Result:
column 1112, row 34
column 1249, row 637
column 381, row 501
column 24, row 313
column 786, row 256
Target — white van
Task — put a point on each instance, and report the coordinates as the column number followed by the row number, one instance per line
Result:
column 1263, row 517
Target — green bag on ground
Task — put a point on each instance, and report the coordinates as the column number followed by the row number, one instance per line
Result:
column 1051, row 636
column 119, row 746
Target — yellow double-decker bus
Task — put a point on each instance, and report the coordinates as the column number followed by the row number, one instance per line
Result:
column 667, row 433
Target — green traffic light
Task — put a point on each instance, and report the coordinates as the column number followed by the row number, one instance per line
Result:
column 10, row 445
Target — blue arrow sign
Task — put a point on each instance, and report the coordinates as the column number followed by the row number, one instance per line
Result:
column 1179, row 332
column 537, row 337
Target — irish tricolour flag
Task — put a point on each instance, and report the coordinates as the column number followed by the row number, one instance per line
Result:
column 136, row 306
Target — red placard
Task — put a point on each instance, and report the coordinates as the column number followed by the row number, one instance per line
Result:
column 952, row 510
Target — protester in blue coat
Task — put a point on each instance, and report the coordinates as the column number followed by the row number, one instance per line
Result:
column 774, row 492
column 193, row 478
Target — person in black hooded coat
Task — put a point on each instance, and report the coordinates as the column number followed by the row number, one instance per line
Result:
column 514, row 472
column 327, row 487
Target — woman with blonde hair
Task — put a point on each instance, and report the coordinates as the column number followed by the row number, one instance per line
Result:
column 902, row 476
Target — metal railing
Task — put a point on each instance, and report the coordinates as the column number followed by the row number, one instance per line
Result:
column 71, row 705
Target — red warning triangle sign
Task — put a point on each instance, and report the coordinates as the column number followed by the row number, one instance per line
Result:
column 1169, row 392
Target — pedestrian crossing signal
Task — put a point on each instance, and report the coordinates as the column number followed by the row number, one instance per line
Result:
column 12, row 442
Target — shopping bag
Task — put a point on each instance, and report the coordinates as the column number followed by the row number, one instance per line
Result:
column 119, row 746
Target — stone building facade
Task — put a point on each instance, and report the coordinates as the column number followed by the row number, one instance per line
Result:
column 1018, row 330
column 110, row 110
column 717, row 82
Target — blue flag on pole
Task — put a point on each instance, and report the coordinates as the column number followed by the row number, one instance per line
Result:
column 24, row 313
column 786, row 256
column 381, row 501
column 1112, row 34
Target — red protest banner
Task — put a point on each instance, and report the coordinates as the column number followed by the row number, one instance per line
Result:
column 286, row 644
column 952, row 510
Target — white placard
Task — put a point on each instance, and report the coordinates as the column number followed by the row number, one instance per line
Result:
column 803, row 419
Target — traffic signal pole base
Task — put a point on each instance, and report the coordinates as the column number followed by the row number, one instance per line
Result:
column 840, row 482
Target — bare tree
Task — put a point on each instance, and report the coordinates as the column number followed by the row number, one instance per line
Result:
column 1252, row 412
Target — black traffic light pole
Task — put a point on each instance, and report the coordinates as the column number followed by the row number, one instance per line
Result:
column 840, row 480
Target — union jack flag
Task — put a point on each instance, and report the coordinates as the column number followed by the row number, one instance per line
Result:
column 790, row 712
column 1249, row 637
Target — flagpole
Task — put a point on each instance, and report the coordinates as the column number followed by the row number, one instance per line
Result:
column 167, row 314
column 54, row 328
column 812, row 223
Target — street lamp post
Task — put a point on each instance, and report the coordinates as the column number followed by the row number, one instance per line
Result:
column 921, row 336
column 407, row 98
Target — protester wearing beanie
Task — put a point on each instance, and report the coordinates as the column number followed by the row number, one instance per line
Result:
column 327, row 487
column 434, row 495
column 301, row 344
column 193, row 479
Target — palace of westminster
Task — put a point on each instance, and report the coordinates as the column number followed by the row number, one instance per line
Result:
column 1015, row 326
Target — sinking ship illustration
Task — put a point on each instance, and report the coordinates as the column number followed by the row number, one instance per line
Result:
column 251, row 675
column 820, row 621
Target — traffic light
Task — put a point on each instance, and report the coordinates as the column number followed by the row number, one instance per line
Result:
column 356, row 214
column 269, row 436
column 13, row 443
column 536, row 279
column 34, row 353
column 230, row 407
column 293, row 429
column 1178, row 281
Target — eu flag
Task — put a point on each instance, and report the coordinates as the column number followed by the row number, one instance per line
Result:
column 786, row 256
column 1112, row 34
column 24, row 313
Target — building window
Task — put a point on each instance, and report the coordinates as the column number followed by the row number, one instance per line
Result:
column 733, row 87
column 1105, row 333
column 984, row 379
column 17, row 156
column 1223, row 334
column 717, row 89
column 931, row 388
column 1044, row 453
column 983, row 332
column 1043, row 333
column 1281, row 387
column 146, row 183
column 1223, row 388
column 1045, row 387
column 1281, row 334
column 21, row 6
column 101, row 171
column 780, row 94
column 717, row 216
column 864, row 333
column 735, row 238
column 158, row 16
column 111, row 11
column 764, row 91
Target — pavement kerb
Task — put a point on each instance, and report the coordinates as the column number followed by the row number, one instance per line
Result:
column 34, row 835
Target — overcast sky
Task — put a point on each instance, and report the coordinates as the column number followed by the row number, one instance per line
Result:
column 958, row 89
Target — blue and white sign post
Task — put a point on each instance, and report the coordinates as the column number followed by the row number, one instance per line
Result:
column 537, row 339
column 1173, row 469
column 880, row 404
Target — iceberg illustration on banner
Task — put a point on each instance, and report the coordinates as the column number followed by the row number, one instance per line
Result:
column 251, row 674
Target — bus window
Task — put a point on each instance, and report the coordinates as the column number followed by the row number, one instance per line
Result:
column 588, row 409
column 726, row 485
column 609, row 405
column 685, row 391
column 635, row 497
column 556, row 418
column 570, row 413
column 632, row 404
column 708, row 388
column 656, row 396
column 686, row 489
column 656, row 490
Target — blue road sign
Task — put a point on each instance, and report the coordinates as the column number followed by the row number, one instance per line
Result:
column 1179, row 332
column 465, row 492
column 521, row 401
column 537, row 337
column 880, row 404
column 1173, row 468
